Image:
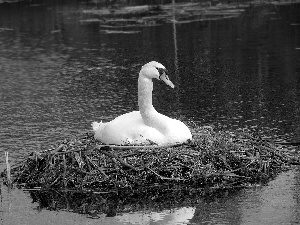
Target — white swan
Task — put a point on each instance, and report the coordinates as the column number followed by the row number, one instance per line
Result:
column 145, row 126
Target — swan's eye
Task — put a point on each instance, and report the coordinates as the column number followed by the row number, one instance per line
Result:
column 162, row 71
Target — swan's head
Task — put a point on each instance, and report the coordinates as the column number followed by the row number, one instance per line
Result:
column 156, row 70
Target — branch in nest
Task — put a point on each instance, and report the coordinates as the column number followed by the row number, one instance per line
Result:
column 165, row 178
column 113, row 156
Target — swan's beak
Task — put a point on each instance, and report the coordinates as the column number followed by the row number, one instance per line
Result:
column 164, row 77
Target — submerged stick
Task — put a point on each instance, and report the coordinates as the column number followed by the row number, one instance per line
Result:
column 8, row 170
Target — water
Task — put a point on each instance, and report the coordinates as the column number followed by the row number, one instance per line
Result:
column 59, row 73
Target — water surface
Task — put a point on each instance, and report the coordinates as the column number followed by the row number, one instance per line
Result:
column 58, row 74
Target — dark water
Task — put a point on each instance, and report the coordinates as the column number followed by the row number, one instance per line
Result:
column 58, row 73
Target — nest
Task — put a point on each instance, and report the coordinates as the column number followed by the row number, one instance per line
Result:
column 213, row 161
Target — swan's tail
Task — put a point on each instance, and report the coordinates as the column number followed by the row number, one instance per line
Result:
column 97, row 126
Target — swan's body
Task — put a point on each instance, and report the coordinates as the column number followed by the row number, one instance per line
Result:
column 146, row 126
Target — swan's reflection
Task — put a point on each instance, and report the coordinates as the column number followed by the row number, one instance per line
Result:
column 166, row 217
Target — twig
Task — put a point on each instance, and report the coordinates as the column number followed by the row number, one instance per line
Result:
column 120, row 160
column 296, row 143
column 65, row 170
column 97, row 167
column 165, row 178
column 9, row 182
column 55, row 181
column 32, row 189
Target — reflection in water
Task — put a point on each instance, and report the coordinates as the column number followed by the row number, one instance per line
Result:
column 166, row 217
column 57, row 75
column 175, row 40
column 275, row 203
column 250, row 80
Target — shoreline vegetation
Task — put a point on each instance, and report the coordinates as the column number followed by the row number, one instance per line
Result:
column 115, row 19
column 85, row 176
column 122, row 19
column 129, row 17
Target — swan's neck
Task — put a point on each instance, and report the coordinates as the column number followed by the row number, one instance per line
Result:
column 149, row 115
column 145, row 88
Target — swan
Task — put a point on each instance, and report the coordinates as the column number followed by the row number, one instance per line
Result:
column 146, row 126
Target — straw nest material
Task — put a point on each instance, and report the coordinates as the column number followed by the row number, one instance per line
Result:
column 212, row 161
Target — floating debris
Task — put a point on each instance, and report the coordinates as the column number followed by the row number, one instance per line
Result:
column 55, row 31
column 159, row 14
column 119, row 31
column 121, row 11
column 92, row 20
column 180, row 12
column 6, row 29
